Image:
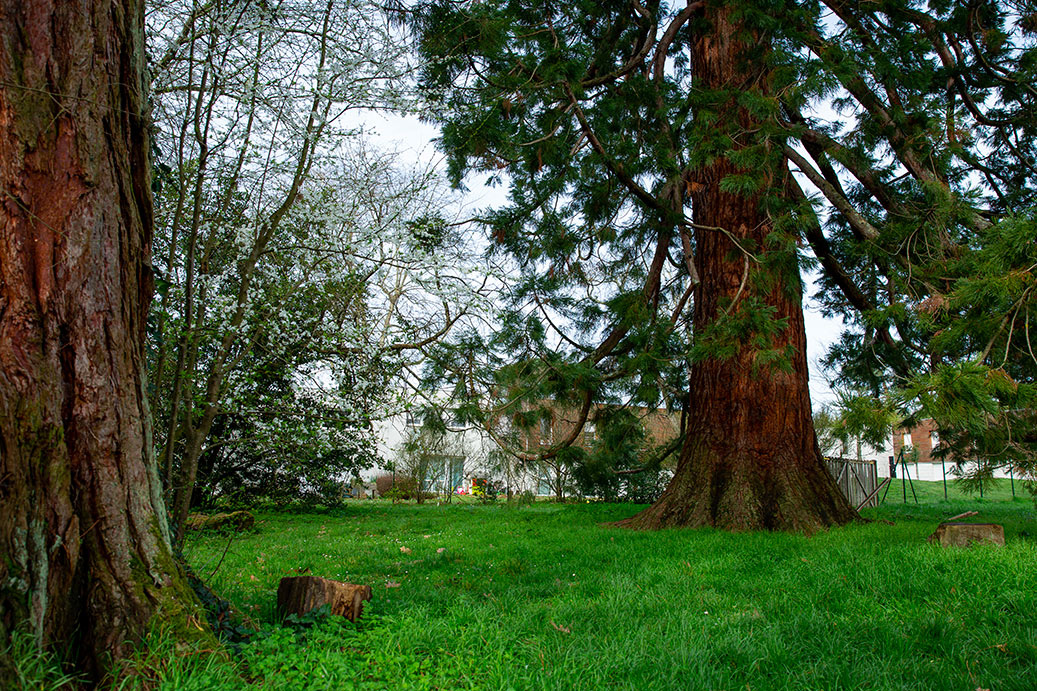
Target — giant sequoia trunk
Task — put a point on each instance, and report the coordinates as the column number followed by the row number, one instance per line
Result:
column 84, row 544
column 750, row 459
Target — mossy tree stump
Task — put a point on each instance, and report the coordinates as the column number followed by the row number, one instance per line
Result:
column 235, row 520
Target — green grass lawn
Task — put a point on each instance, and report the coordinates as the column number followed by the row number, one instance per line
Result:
column 1000, row 489
column 547, row 596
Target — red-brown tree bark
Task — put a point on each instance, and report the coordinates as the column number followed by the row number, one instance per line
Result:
column 84, row 544
column 750, row 460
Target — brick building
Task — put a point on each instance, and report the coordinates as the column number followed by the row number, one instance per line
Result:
column 659, row 425
column 924, row 437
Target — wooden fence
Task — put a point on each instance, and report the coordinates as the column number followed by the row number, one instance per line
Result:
column 857, row 479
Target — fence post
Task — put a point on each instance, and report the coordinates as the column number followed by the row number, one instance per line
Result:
column 913, row 493
column 1011, row 478
column 943, row 464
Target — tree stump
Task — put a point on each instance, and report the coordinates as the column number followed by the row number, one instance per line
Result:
column 300, row 595
column 235, row 520
column 967, row 534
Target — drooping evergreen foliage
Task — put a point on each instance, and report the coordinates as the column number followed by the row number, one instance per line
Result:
column 939, row 162
column 889, row 144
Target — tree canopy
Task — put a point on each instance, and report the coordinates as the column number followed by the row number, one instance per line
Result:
column 301, row 271
column 889, row 145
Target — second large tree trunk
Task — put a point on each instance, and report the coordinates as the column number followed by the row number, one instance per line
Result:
column 750, row 459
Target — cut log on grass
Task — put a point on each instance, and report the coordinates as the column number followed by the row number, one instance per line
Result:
column 235, row 520
column 967, row 534
column 300, row 595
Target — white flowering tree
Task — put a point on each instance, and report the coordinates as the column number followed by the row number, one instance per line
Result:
column 299, row 272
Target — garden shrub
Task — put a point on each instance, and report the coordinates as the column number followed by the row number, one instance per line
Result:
column 396, row 489
column 486, row 491
column 524, row 498
column 382, row 484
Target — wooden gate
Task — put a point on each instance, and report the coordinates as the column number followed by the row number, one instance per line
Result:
column 857, row 479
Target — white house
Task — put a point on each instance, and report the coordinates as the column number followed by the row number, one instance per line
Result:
column 464, row 454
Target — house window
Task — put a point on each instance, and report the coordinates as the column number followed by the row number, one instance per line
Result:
column 456, row 471
column 589, row 432
column 907, row 439
column 545, row 430
column 446, row 473
column 545, row 487
column 412, row 420
column 934, row 438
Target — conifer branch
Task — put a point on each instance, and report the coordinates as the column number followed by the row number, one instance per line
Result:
column 615, row 168
column 860, row 224
column 661, row 52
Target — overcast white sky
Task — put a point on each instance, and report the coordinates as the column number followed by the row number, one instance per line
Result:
column 413, row 140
